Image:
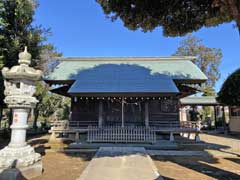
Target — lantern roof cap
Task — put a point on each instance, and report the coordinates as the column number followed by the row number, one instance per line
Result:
column 24, row 57
column 23, row 70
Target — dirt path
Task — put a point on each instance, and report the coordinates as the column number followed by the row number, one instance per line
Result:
column 222, row 162
column 58, row 166
column 198, row 168
column 221, row 141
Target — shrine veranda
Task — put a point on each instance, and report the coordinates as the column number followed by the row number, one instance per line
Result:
column 125, row 99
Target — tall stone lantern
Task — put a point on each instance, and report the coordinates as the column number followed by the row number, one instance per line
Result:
column 20, row 83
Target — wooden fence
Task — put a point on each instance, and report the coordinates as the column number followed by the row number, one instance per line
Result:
column 121, row 134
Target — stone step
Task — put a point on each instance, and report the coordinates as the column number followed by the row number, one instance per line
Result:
column 160, row 145
column 121, row 163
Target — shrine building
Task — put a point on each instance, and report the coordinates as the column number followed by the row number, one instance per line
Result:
column 126, row 93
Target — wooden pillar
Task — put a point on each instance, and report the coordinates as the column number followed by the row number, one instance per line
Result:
column 147, row 114
column 197, row 137
column 181, row 113
column 122, row 111
column 100, row 114
column 215, row 116
column 224, row 120
column 77, row 136
column 171, row 136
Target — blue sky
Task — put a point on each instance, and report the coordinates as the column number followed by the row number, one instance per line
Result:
column 81, row 29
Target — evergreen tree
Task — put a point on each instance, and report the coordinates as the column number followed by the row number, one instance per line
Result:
column 175, row 17
column 17, row 31
column 229, row 93
column 207, row 59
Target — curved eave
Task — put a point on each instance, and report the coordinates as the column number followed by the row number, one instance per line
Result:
column 123, row 94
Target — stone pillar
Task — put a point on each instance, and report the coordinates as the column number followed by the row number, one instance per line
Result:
column 19, row 127
column 20, row 86
column 146, row 114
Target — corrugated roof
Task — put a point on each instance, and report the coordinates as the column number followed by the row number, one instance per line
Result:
column 203, row 100
column 179, row 68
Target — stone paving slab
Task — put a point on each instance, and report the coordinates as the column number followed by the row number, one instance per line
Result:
column 121, row 163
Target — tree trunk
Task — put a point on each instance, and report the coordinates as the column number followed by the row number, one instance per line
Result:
column 1, row 112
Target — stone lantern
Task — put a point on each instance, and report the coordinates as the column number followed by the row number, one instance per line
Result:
column 18, row 157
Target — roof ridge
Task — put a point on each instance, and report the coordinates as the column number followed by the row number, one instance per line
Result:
column 140, row 58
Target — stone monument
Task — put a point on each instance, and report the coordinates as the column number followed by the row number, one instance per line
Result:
column 19, row 159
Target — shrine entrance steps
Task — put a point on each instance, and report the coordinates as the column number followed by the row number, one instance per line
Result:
column 121, row 163
column 159, row 145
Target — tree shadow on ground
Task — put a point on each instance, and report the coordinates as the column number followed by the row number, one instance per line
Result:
column 201, row 165
column 38, row 141
column 164, row 178
column 235, row 160
column 85, row 156
column 230, row 136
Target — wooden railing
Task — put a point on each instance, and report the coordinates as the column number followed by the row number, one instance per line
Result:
column 162, row 124
column 82, row 124
column 121, row 134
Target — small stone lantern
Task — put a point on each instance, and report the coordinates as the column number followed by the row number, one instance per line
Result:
column 18, row 157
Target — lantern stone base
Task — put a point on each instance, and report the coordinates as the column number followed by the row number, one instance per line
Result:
column 19, row 162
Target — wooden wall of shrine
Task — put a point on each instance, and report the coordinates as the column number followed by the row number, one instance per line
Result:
column 163, row 113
